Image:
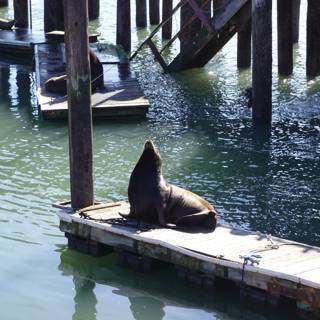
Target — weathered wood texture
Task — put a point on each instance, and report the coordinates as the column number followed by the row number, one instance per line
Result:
column 141, row 13
column 124, row 24
column 53, row 15
column 3, row 3
column 154, row 11
column 295, row 20
column 313, row 38
column 94, row 9
column 167, row 6
column 244, row 46
column 21, row 15
column 262, row 62
column 79, row 102
column 286, row 268
column 285, row 37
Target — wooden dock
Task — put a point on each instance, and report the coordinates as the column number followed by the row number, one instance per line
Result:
column 269, row 267
column 122, row 96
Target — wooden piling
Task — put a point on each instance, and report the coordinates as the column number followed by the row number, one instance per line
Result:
column 295, row 20
column 154, row 11
column 244, row 46
column 79, row 103
column 285, row 38
column 262, row 62
column 94, row 9
column 53, row 15
column 21, row 15
column 313, row 38
column 124, row 24
column 3, row 3
column 141, row 13
column 167, row 6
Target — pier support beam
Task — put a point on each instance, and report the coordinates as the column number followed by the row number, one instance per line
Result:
column 94, row 9
column 313, row 38
column 244, row 46
column 3, row 3
column 141, row 13
column 53, row 15
column 124, row 24
column 285, row 37
column 21, row 15
column 79, row 103
column 154, row 11
column 262, row 62
column 167, row 7
column 295, row 20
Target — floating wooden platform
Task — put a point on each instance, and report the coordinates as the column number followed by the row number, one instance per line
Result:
column 285, row 269
column 19, row 43
column 122, row 96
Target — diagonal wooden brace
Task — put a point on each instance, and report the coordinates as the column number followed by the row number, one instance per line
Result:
column 157, row 55
column 199, row 13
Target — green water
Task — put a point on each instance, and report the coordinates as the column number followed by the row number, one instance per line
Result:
column 198, row 119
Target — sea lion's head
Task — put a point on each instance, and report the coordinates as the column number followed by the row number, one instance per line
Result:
column 151, row 156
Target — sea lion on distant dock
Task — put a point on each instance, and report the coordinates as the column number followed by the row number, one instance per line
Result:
column 153, row 200
column 59, row 84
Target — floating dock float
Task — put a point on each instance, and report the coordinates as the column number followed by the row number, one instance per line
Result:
column 121, row 98
column 270, row 268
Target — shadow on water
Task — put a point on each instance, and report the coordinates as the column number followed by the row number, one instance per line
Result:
column 153, row 296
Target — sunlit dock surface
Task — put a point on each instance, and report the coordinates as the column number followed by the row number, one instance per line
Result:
column 280, row 268
column 121, row 97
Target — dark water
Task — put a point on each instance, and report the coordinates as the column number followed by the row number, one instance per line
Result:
column 258, row 180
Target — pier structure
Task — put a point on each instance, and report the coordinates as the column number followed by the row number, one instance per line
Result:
column 267, row 270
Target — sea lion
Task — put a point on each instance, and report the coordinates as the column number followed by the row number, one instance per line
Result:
column 153, row 200
column 59, row 84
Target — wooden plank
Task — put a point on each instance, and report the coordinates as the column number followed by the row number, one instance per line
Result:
column 157, row 55
column 199, row 13
column 21, row 16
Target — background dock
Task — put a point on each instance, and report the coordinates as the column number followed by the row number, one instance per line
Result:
column 121, row 97
column 271, row 267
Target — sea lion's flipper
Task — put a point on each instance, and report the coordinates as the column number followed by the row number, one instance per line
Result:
column 127, row 215
column 205, row 218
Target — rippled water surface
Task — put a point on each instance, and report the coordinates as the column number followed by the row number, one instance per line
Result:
column 198, row 119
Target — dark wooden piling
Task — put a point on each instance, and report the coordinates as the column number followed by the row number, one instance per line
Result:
column 244, row 46
column 21, row 15
column 94, row 9
column 141, row 13
column 3, row 3
column 295, row 20
column 190, row 32
column 285, row 38
column 79, row 103
column 167, row 6
column 124, row 24
column 154, row 11
column 53, row 15
column 261, row 62
column 313, row 38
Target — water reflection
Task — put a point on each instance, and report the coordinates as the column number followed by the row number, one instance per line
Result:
column 153, row 296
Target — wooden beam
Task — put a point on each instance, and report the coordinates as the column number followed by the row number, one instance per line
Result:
column 124, row 24
column 154, row 11
column 313, row 38
column 244, row 46
column 3, row 3
column 262, row 62
column 21, row 15
column 167, row 6
column 295, row 20
column 94, row 9
column 157, row 55
column 79, row 103
column 201, row 15
column 285, row 39
column 141, row 13
column 53, row 15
